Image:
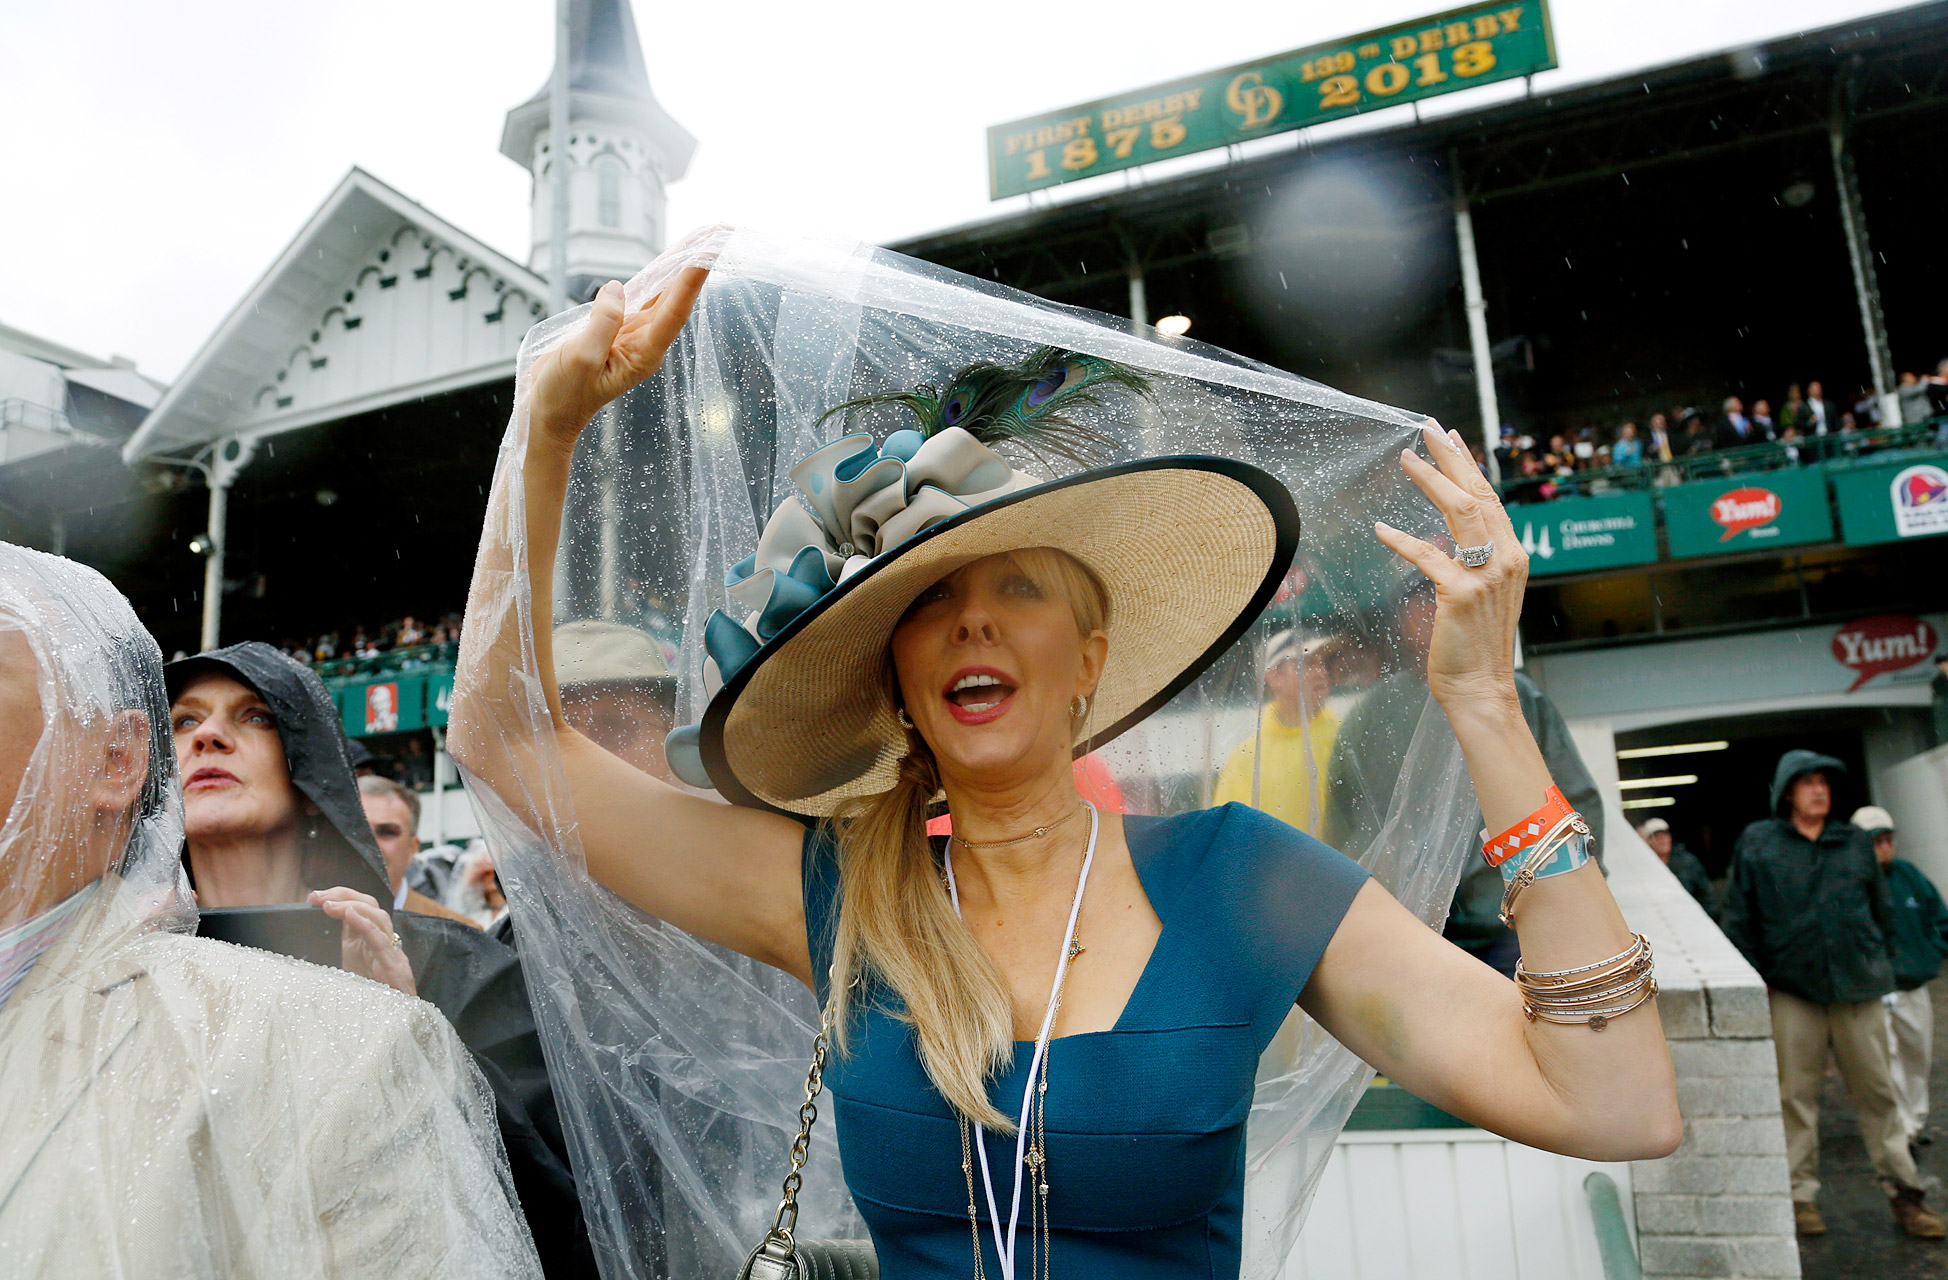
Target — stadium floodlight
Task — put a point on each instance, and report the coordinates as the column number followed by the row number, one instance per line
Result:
column 1674, row 780
column 1681, row 749
column 1175, row 326
column 202, row 545
column 1648, row 802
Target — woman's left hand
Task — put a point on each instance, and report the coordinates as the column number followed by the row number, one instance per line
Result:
column 368, row 945
column 1471, row 655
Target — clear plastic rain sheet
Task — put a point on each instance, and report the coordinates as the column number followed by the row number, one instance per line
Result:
column 680, row 1066
column 172, row 1106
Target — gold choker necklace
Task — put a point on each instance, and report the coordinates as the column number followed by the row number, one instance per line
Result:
column 1036, row 834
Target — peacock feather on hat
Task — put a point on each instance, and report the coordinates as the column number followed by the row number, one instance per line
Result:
column 1026, row 405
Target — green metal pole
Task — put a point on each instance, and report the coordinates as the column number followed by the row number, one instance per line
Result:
column 1612, row 1232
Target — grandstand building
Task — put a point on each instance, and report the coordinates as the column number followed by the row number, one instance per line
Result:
column 1725, row 226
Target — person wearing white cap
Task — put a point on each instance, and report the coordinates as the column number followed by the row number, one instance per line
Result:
column 1281, row 769
column 617, row 689
column 1920, row 936
column 1683, row 863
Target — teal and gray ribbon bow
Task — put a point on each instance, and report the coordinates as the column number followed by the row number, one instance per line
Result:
column 858, row 501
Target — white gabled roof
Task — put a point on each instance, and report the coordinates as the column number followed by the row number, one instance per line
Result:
column 375, row 301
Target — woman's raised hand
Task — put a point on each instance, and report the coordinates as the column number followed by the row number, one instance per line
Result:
column 613, row 350
column 1471, row 655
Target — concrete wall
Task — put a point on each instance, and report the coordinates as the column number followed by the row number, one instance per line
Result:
column 1915, row 791
column 1721, row 1205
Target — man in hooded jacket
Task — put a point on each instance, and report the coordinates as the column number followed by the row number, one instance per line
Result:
column 172, row 1106
column 476, row 981
column 1807, row 905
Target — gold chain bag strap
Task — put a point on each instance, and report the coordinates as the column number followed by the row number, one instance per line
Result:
column 780, row 1255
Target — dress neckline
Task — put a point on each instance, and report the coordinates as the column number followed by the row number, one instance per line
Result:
column 1139, row 834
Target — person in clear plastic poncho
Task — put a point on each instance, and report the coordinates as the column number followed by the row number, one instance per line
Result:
column 933, row 539
column 172, row 1106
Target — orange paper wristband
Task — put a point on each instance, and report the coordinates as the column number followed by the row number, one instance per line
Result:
column 1530, row 829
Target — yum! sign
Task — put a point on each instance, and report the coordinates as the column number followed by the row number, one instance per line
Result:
column 1887, row 642
column 1749, row 508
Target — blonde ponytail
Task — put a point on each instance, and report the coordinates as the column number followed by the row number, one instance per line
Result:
column 898, row 926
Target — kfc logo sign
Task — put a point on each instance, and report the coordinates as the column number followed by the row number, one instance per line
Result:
column 1888, row 642
column 382, row 708
column 1748, row 508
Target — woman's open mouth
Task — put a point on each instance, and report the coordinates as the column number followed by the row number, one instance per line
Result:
column 979, row 694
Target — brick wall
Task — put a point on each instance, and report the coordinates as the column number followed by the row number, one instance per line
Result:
column 1720, row 1206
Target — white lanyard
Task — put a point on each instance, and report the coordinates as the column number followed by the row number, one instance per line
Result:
column 1005, row 1249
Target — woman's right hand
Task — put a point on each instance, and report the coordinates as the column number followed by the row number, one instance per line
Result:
column 613, row 350
column 368, row 945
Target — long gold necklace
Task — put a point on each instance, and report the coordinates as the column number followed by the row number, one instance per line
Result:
column 1036, row 1160
column 1032, row 1137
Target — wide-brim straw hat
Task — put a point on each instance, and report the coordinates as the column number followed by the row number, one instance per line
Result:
column 1189, row 550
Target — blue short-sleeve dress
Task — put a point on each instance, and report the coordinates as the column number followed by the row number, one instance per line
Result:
column 1146, row 1121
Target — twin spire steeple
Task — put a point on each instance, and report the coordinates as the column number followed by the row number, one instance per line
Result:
column 623, row 151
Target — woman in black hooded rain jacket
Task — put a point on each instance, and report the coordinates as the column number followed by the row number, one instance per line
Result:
column 470, row 977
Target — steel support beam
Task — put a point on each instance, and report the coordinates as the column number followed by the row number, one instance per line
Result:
column 1866, row 281
column 1477, row 308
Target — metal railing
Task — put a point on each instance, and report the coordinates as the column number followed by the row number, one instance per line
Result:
column 1613, row 1245
column 1715, row 464
column 409, row 660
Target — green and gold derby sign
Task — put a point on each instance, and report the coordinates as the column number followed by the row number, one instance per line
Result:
column 1475, row 44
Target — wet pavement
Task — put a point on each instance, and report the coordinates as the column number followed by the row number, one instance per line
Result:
column 1861, row 1241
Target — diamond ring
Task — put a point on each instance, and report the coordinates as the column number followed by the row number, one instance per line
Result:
column 1475, row 557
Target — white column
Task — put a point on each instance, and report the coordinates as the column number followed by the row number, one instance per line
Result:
column 610, row 427
column 213, row 561
column 438, row 833
column 1139, row 300
column 558, row 166
column 227, row 458
column 1477, row 309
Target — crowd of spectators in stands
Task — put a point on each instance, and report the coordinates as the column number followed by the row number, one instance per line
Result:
column 1536, row 469
column 404, row 633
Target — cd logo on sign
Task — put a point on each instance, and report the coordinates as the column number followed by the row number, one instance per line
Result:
column 1748, row 508
column 1920, row 497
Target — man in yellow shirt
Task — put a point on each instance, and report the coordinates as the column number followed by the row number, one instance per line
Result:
column 1295, row 732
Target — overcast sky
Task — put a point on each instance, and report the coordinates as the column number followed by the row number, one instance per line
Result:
column 159, row 156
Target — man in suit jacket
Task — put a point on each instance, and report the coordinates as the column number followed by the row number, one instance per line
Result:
column 171, row 1106
column 1735, row 430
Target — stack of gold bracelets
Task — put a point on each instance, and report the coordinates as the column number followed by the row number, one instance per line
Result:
column 1593, row 993
column 1552, row 841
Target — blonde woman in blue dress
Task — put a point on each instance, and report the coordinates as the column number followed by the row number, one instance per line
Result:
column 1046, row 1029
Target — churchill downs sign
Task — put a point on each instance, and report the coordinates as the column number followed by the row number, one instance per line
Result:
column 1475, row 44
